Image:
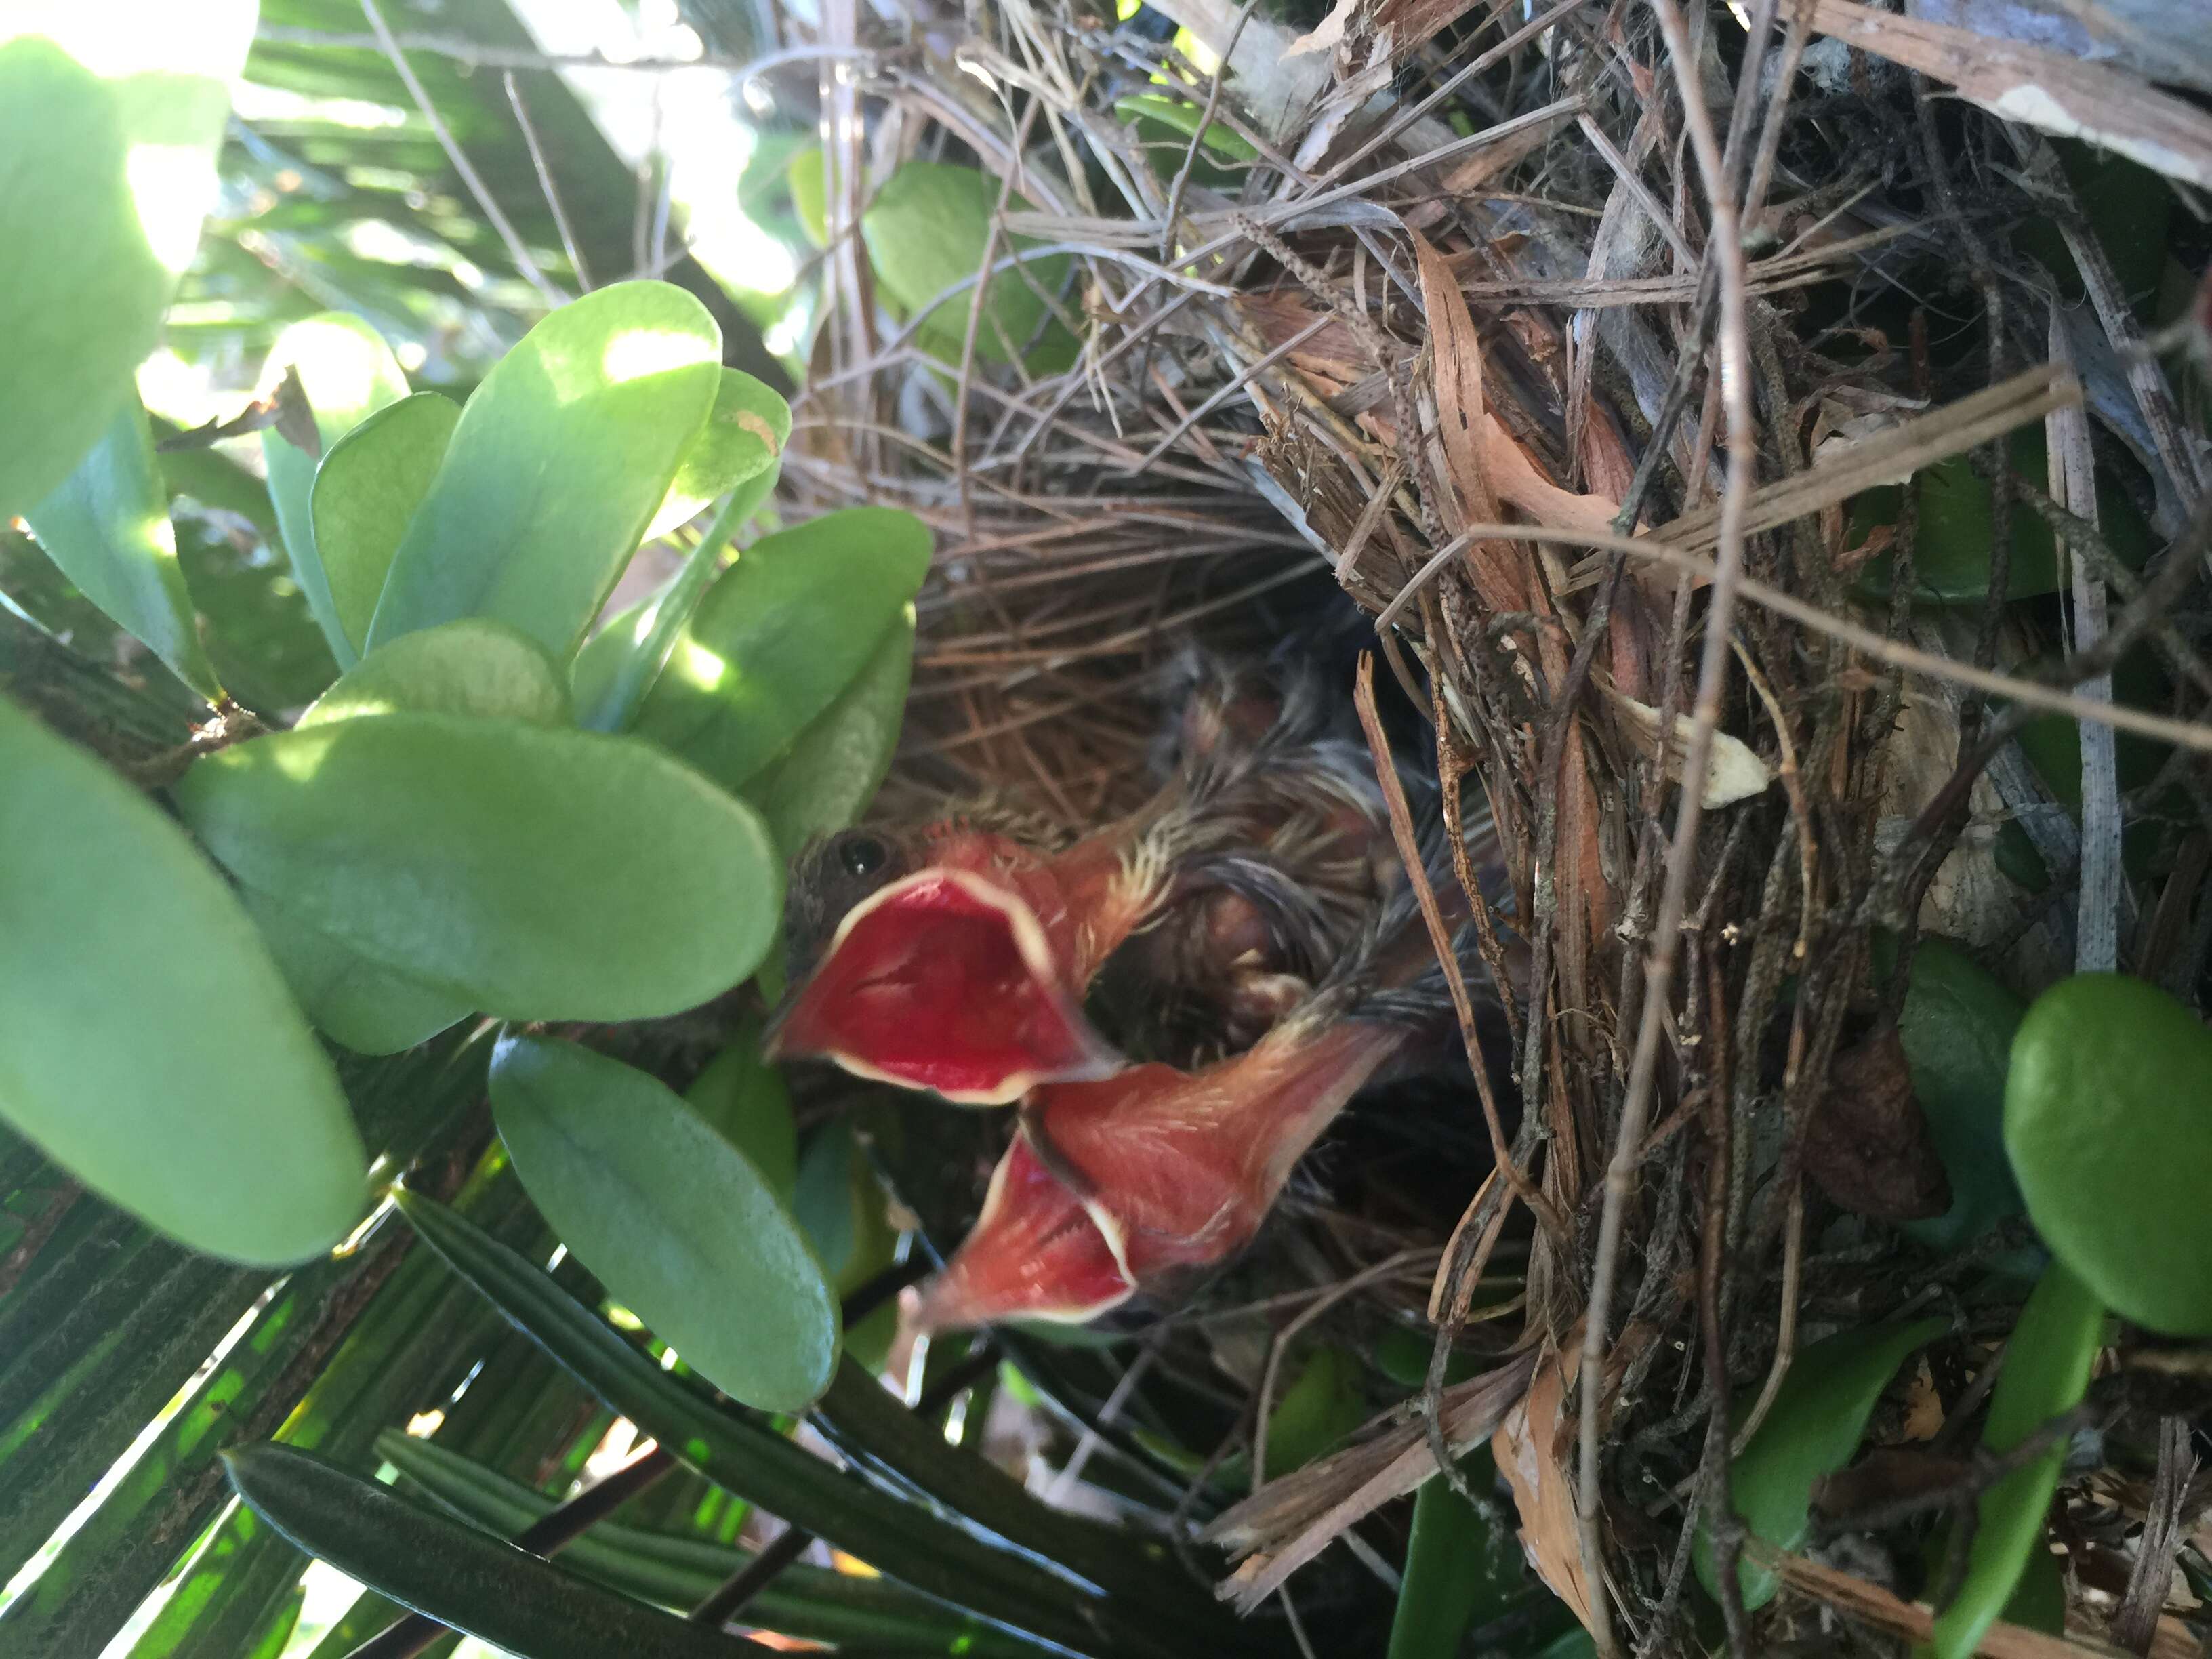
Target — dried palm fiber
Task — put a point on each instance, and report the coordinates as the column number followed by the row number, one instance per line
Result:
column 1558, row 339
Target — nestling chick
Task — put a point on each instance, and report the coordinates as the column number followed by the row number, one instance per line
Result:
column 956, row 956
column 1141, row 1183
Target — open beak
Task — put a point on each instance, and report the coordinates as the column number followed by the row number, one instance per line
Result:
column 1036, row 1252
column 944, row 981
column 1180, row 1167
column 1146, row 1178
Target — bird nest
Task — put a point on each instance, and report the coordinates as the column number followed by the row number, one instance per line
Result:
column 1574, row 355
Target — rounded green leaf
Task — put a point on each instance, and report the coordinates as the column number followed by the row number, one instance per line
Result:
column 927, row 229
column 79, row 310
column 532, row 873
column 556, row 467
column 470, row 667
column 2108, row 1123
column 834, row 770
column 150, row 1048
column 348, row 374
column 1812, row 1429
column 744, row 437
column 365, row 494
column 674, row 1220
column 2046, row 1372
column 109, row 123
column 1957, row 1027
column 779, row 634
column 108, row 528
column 362, row 1005
column 742, row 1097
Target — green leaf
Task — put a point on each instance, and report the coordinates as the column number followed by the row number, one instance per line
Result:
column 1316, row 1412
column 468, row 667
column 558, row 464
column 674, row 1220
column 834, row 770
column 810, row 195
column 742, row 1098
column 124, row 166
column 348, row 374
column 839, row 1204
column 2052, row 743
column 1812, row 1429
column 2046, row 1372
column 496, row 1593
column 2038, row 1601
column 94, row 1350
column 1957, row 527
column 532, row 873
column 214, row 480
column 744, row 437
column 2108, row 1123
column 357, row 1003
column 108, row 528
column 365, row 494
column 927, row 229
column 1460, row 1568
column 779, row 634
column 165, row 1308
column 1402, row 1355
column 591, row 676
column 746, row 1457
column 260, row 633
column 1183, row 117
column 620, row 664
column 1957, row 1027
column 816, row 1603
column 867, row 1425
column 150, row 1047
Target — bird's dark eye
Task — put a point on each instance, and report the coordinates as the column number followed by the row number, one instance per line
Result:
column 862, row 855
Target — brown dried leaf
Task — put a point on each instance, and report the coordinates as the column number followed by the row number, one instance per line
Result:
column 1915, row 1621
column 1532, row 1447
column 1885, row 1475
column 1518, row 481
column 1866, row 1146
column 1495, row 161
column 1334, row 352
column 1288, row 1522
column 1499, row 581
column 1733, row 771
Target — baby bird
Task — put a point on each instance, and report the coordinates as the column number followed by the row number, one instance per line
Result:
column 1142, row 1182
column 956, row 956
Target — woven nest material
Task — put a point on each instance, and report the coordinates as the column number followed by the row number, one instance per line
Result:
column 1463, row 288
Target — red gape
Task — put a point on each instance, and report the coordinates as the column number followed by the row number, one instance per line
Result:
column 967, row 976
column 1035, row 1253
column 1151, row 1173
